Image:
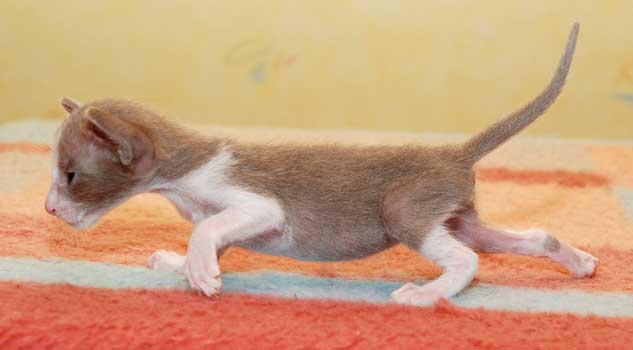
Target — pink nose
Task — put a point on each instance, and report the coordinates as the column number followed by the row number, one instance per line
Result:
column 49, row 208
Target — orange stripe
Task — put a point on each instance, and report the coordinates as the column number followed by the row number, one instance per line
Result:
column 125, row 242
column 538, row 177
column 66, row 317
column 24, row 147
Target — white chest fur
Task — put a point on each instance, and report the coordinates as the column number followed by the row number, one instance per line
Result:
column 190, row 208
column 204, row 191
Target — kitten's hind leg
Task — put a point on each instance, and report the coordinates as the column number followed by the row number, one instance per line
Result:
column 414, row 214
column 458, row 263
column 468, row 229
column 164, row 260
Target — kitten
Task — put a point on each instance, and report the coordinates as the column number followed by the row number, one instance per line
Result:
column 309, row 202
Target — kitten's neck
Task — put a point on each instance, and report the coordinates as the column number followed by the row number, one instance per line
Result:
column 184, row 151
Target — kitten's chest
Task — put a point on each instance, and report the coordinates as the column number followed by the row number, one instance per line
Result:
column 190, row 207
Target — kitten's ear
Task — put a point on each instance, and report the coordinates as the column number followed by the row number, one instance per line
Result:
column 134, row 147
column 69, row 104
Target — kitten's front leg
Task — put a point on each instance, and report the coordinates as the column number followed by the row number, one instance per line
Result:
column 211, row 235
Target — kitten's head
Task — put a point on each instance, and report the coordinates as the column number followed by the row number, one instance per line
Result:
column 104, row 155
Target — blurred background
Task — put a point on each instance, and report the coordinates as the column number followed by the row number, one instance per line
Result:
column 422, row 66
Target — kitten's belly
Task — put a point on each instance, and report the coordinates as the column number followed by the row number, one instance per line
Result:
column 327, row 246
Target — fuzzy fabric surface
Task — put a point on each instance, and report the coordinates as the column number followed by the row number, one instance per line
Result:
column 62, row 289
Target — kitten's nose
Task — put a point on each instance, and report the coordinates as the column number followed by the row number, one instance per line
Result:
column 49, row 208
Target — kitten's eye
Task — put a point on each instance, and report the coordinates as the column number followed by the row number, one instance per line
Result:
column 70, row 176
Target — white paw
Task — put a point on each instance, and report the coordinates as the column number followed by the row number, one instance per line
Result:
column 203, row 276
column 585, row 264
column 163, row 260
column 411, row 294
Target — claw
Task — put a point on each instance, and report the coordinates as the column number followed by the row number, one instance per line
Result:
column 201, row 280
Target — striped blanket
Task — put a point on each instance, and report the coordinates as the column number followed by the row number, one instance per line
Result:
column 62, row 289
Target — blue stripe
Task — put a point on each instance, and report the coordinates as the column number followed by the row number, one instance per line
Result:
column 89, row 274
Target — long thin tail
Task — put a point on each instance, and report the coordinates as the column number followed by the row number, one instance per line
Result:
column 498, row 133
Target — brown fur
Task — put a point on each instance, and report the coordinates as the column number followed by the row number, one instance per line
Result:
column 340, row 198
column 552, row 244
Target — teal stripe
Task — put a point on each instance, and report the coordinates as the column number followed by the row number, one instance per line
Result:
column 89, row 274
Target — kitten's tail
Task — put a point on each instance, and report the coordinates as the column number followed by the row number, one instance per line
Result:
column 483, row 143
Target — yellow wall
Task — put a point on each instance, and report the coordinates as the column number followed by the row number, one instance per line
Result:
column 447, row 66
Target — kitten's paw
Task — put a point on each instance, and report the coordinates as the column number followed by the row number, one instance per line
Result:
column 203, row 277
column 163, row 260
column 411, row 294
column 586, row 264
